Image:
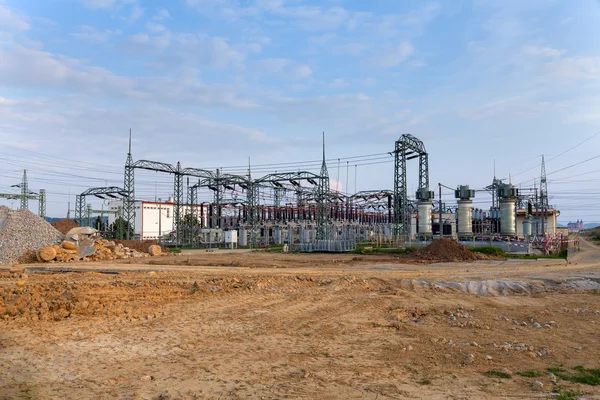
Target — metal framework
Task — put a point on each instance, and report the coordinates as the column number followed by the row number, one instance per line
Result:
column 113, row 192
column 27, row 195
column 544, row 195
column 407, row 148
column 322, row 197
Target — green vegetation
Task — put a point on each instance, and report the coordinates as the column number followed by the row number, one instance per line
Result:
column 369, row 248
column 497, row 374
column 529, row 373
column 586, row 376
column 561, row 255
column 274, row 249
column 424, row 381
column 565, row 394
column 489, row 250
column 174, row 251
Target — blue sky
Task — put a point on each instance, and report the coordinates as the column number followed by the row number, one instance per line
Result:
column 213, row 82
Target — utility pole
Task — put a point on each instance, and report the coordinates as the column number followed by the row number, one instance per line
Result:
column 440, row 219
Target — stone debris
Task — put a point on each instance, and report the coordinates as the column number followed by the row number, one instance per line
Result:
column 85, row 244
column 21, row 231
column 506, row 371
column 552, row 378
column 469, row 359
column 538, row 385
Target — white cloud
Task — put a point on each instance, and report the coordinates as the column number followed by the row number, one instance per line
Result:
column 574, row 68
column 350, row 49
column 10, row 21
column 154, row 27
column 32, row 68
column 301, row 72
column 136, row 13
column 542, row 51
column 100, row 3
column 394, row 56
column 162, row 14
column 274, row 64
column 337, row 83
column 90, row 34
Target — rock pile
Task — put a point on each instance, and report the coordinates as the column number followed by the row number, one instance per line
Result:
column 85, row 244
column 20, row 231
column 447, row 250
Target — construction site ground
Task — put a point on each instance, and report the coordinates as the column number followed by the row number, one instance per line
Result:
column 256, row 325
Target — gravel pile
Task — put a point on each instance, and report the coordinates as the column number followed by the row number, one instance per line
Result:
column 20, row 231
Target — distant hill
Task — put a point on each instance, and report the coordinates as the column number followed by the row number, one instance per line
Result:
column 591, row 225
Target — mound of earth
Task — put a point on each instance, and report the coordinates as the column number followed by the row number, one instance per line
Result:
column 447, row 250
column 64, row 225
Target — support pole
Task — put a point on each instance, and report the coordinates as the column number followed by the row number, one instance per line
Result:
column 129, row 199
column 42, row 203
column 177, row 203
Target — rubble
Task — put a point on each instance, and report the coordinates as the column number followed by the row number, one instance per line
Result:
column 85, row 244
column 20, row 231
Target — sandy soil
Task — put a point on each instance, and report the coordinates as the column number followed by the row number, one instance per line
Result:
column 211, row 325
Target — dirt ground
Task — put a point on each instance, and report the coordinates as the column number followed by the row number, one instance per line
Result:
column 249, row 325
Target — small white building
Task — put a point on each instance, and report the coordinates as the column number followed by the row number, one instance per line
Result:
column 155, row 219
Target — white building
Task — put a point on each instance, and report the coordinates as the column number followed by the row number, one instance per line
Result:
column 155, row 219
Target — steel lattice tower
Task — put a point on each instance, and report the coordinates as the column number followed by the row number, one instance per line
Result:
column 129, row 200
column 24, row 192
column 42, row 203
column 407, row 148
column 177, row 201
column 323, row 216
column 544, row 195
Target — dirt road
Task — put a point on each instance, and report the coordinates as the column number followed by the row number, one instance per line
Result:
column 272, row 326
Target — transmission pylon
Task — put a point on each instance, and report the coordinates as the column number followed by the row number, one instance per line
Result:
column 129, row 200
column 323, row 217
column 24, row 192
column 544, row 195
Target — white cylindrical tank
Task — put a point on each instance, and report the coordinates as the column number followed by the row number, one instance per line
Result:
column 507, row 216
column 424, row 210
column 465, row 217
column 242, row 237
column 526, row 228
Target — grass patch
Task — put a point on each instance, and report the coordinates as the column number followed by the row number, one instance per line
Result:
column 497, row 374
column 565, row 394
column 488, row 250
column 361, row 249
column 586, row 376
column 175, row 251
column 529, row 373
column 274, row 249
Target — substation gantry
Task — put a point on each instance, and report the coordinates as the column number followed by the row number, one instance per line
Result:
column 83, row 213
column 407, row 148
